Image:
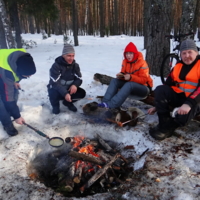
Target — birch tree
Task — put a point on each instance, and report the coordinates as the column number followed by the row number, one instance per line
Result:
column 6, row 26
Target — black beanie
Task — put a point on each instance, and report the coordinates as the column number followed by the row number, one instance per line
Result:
column 26, row 65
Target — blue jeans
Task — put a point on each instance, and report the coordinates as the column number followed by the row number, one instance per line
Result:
column 115, row 97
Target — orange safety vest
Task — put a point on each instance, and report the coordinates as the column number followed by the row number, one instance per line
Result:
column 192, row 79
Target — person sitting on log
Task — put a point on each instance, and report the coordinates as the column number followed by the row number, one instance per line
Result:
column 182, row 90
column 134, row 79
column 65, row 79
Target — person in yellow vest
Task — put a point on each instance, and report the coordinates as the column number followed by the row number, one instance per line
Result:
column 15, row 64
column 181, row 91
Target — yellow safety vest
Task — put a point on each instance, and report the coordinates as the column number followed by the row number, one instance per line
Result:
column 4, row 54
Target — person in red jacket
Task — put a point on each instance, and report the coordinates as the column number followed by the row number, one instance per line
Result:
column 133, row 79
column 181, row 91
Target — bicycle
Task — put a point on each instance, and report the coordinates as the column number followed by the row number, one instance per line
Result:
column 171, row 59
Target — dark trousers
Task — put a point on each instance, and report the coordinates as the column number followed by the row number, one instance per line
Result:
column 5, row 117
column 166, row 99
column 55, row 96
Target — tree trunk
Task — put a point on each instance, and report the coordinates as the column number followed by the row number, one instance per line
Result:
column 146, row 15
column 75, row 23
column 188, row 15
column 16, row 24
column 6, row 25
column 3, row 44
column 115, row 18
column 101, row 14
column 31, row 24
column 158, row 25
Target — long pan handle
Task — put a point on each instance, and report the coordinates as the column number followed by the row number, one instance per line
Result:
column 37, row 131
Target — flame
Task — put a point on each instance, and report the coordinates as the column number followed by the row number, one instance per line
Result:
column 78, row 141
column 89, row 149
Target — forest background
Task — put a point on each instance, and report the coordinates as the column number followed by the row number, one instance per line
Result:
column 152, row 19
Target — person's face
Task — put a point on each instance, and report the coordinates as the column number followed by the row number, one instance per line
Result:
column 129, row 56
column 188, row 56
column 69, row 57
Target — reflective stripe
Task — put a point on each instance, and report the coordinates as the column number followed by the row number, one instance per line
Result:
column 55, row 80
column 186, row 90
column 78, row 76
column 144, row 67
column 188, row 82
column 138, row 70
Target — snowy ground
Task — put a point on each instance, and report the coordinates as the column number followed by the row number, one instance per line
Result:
column 169, row 170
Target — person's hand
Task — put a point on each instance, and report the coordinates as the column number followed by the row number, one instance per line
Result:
column 184, row 109
column 68, row 97
column 72, row 89
column 20, row 121
column 17, row 86
column 120, row 75
column 127, row 77
column 151, row 111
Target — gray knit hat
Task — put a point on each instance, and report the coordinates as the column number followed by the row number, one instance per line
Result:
column 188, row 45
column 68, row 49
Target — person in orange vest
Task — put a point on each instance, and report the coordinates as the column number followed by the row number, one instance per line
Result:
column 15, row 64
column 181, row 91
column 133, row 79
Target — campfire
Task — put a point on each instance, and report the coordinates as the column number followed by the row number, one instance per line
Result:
column 81, row 167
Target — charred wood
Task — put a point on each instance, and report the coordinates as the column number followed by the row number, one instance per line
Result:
column 104, row 156
column 99, row 173
column 78, row 174
column 103, row 143
column 86, row 157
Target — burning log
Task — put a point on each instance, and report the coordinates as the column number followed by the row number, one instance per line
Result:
column 78, row 174
column 69, row 184
column 103, row 143
column 86, row 157
column 99, row 173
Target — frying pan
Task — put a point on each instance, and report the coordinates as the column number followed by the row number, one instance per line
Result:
column 54, row 141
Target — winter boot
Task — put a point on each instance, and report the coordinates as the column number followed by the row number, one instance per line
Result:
column 164, row 129
column 70, row 106
column 56, row 110
column 11, row 130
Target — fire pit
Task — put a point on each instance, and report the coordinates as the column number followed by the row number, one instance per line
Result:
column 81, row 167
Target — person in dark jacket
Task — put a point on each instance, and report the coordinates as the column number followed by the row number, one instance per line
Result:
column 15, row 64
column 181, row 91
column 65, row 81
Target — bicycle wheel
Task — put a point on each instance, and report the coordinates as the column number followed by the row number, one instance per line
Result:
column 168, row 63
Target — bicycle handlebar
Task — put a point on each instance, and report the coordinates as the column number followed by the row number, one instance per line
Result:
column 177, row 37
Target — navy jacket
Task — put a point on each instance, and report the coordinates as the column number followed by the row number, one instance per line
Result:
column 63, row 75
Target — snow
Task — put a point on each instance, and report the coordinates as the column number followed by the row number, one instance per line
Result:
column 94, row 55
